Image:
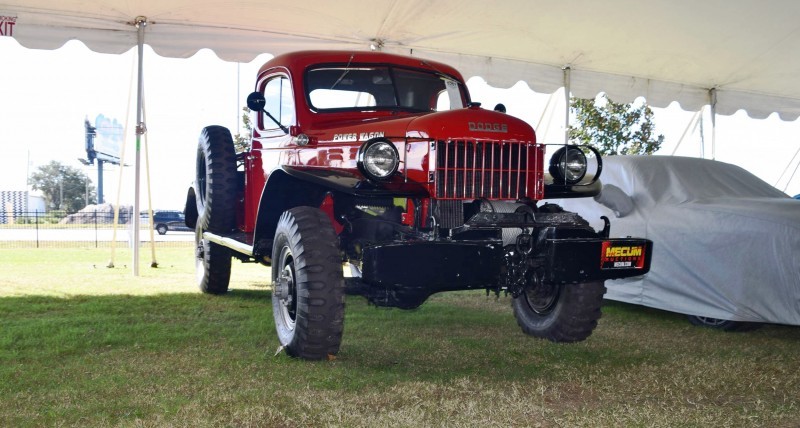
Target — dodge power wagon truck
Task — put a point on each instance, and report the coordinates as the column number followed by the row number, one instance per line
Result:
column 381, row 165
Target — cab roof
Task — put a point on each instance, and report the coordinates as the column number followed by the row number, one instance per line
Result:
column 299, row 61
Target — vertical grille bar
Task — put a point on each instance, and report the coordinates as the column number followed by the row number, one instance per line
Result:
column 464, row 191
column 500, row 169
column 519, row 167
column 483, row 167
column 446, row 169
column 491, row 175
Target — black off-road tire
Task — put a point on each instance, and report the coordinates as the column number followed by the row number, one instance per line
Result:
column 162, row 229
column 190, row 209
column 309, row 314
column 723, row 325
column 212, row 265
column 216, row 186
column 215, row 194
column 567, row 313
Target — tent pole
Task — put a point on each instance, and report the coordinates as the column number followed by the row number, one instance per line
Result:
column 567, row 82
column 785, row 170
column 141, row 23
column 542, row 127
column 689, row 128
column 712, row 95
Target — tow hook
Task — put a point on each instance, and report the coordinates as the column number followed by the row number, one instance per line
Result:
column 515, row 278
column 606, row 232
column 525, row 242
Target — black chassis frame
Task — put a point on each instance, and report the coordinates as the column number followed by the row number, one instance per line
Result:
column 553, row 247
column 403, row 266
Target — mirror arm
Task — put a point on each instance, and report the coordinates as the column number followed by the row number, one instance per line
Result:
column 256, row 102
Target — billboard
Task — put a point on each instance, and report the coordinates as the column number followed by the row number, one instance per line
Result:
column 104, row 139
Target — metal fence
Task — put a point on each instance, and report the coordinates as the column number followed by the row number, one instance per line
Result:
column 37, row 229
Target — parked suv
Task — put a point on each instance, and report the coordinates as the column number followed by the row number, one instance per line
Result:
column 166, row 220
column 383, row 164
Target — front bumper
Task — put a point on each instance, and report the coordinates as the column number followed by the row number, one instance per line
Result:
column 583, row 260
column 411, row 271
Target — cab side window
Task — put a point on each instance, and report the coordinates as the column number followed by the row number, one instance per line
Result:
column 280, row 103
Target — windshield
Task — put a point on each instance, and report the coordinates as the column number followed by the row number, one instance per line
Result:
column 382, row 87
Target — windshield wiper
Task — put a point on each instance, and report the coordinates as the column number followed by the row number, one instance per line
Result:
column 346, row 70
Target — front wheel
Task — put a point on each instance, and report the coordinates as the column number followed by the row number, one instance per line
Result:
column 724, row 325
column 560, row 312
column 308, row 285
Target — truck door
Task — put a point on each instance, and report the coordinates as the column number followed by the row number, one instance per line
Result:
column 272, row 145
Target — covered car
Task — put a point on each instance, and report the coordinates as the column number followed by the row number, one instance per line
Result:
column 726, row 243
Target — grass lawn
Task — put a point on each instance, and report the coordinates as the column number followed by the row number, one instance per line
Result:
column 85, row 345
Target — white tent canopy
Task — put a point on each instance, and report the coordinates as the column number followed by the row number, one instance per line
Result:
column 664, row 50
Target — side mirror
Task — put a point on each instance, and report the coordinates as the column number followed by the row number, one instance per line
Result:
column 256, row 101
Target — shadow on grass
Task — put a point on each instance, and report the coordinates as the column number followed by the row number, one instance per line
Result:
column 107, row 359
column 249, row 294
column 441, row 341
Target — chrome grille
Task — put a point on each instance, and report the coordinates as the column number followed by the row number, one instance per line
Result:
column 470, row 169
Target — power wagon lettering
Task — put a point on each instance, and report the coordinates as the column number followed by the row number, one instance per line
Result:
column 364, row 136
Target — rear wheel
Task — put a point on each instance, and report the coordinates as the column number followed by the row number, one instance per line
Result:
column 215, row 195
column 308, row 285
column 724, row 325
column 560, row 312
column 161, row 229
column 212, row 265
column 215, row 181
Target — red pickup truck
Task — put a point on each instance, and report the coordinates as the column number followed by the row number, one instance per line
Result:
column 382, row 165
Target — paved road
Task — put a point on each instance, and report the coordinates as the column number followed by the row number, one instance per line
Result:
column 123, row 234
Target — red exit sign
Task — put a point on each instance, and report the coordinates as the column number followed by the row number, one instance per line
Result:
column 7, row 25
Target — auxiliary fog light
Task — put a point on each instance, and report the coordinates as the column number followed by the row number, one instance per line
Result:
column 568, row 164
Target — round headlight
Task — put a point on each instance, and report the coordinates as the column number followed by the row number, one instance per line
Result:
column 378, row 159
column 568, row 164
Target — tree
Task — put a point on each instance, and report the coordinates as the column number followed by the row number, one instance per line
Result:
column 241, row 142
column 613, row 128
column 64, row 187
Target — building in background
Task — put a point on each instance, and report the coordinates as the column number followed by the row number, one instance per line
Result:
column 16, row 203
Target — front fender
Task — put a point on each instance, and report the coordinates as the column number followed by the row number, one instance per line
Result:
column 354, row 183
column 281, row 192
column 290, row 187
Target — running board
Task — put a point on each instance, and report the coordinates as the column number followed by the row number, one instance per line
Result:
column 229, row 242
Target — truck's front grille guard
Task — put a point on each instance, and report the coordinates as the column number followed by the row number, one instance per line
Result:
column 472, row 169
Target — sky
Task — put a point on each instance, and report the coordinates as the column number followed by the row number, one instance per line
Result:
column 46, row 95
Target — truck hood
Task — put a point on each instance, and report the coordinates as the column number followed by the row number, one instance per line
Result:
column 468, row 123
